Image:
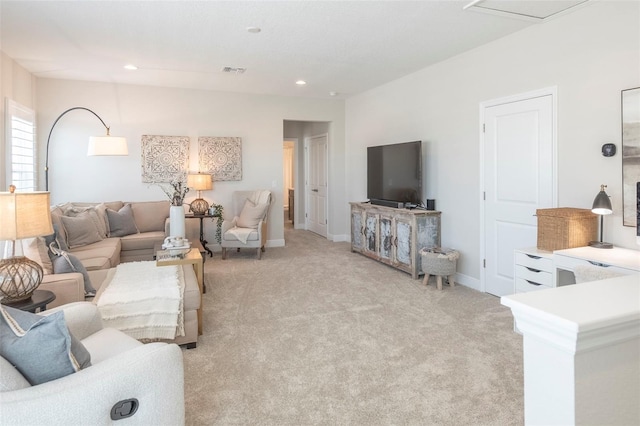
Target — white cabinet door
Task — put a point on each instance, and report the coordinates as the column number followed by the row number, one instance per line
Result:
column 518, row 179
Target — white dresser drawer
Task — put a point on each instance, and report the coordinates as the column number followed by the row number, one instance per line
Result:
column 535, row 262
column 523, row 286
column 535, row 275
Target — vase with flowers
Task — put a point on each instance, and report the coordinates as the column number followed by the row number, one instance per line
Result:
column 176, row 191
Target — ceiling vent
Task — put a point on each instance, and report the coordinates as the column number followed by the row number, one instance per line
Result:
column 234, row 70
column 529, row 10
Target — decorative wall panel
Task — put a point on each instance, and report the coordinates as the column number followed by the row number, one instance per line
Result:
column 221, row 157
column 164, row 158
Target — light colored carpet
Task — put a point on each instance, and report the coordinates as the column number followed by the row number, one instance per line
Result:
column 313, row 334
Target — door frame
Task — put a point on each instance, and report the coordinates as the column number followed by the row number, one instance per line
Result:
column 295, row 174
column 307, row 142
column 547, row 91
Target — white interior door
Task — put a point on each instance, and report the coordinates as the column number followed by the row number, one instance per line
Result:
column 316, row 148
column 519, row 177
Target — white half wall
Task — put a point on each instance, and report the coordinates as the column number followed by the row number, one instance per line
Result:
column 132, row 111
column 590, row 55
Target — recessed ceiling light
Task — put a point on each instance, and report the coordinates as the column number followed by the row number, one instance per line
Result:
column 301, row 82
column 130, row 67
column 254, row 30
column 333, row 93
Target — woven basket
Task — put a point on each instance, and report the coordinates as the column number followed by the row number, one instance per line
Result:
column 566, row 227
column 438, row 261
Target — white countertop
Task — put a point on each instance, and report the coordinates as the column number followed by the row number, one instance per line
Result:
column 583, row 307
column 624, row 258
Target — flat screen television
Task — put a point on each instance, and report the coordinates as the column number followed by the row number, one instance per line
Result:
column 394, row 173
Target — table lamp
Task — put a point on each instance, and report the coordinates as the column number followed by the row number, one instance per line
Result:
column 601, row 206
column 22, row 215
column 199, row 182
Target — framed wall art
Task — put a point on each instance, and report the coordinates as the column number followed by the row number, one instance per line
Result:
column 221, row 157
column 630, row 153
column 164, row 158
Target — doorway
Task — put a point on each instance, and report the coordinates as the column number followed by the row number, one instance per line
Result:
column 518, row 175
column 300, row 132
column 288, row 181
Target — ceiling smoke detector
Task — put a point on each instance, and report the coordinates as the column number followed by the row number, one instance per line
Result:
column 234, row 70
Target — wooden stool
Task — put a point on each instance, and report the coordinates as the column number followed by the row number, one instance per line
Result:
column 439, row 280
column 439, row 262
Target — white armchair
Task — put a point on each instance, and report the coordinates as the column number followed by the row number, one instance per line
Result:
column 122, row 369
column 248, row 229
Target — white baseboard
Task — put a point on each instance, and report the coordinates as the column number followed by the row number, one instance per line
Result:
column 467, row 281
column 338, row 238
column 275, row 243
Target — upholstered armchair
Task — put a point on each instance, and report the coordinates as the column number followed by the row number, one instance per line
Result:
column 248, row 229
column 121, row 369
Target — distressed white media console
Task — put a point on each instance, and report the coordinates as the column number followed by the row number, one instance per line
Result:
column 394, row 236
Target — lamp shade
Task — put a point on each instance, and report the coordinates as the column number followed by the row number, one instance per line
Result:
column 602, row 203
column 199, row 181
column 24, row 215
column 107, row 145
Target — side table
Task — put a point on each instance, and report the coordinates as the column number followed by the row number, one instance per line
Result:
column 38, row 301
column 202, row 240
column 194, row 258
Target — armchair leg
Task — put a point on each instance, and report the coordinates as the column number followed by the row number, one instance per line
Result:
column 224, row 253
column 259, row 254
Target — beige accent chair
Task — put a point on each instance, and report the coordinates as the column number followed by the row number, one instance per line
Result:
column 121, row 369
column 255, row 236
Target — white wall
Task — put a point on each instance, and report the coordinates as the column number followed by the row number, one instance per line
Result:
column 16, row 84
column 133, row 111
column 590, row 55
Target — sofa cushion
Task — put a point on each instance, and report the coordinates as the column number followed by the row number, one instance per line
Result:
column 103, row 254
column 150, row 215
column 145, row 240
column 40, row 347
column 121, row 223
column 81, row 229
column 97, row 213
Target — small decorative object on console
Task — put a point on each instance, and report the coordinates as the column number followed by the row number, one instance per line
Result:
column 176, row 246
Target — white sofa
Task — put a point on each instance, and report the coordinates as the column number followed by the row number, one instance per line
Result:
column 122, row 368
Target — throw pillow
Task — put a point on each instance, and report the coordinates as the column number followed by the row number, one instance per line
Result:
column 96, row 213
column 81, row 230
column 36, row 250
column 121, row 223
column 64, row 263
column 251, row 215
column 40, row 347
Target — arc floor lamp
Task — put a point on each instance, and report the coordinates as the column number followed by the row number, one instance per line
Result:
column 98, row 145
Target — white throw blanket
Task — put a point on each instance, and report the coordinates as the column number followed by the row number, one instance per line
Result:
column 257, row 197
column 144, row 301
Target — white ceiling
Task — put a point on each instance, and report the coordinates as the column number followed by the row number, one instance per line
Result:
column 336, row 46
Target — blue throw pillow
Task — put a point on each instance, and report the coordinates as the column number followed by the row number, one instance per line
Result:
column 40, row 347
column 67, row 262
